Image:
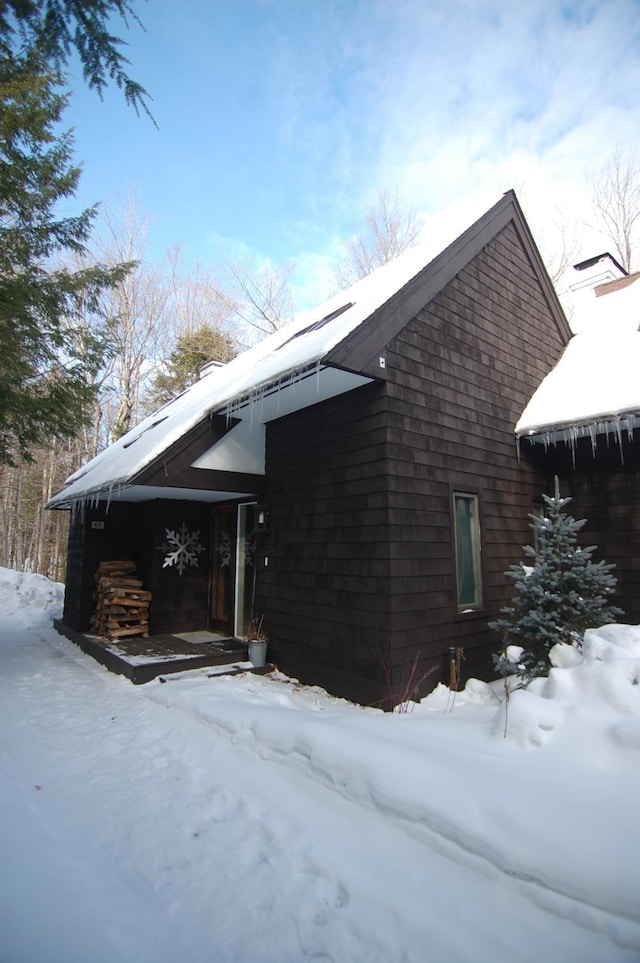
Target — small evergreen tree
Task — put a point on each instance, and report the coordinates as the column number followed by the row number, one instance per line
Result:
column 561, row 593
column 191, row 353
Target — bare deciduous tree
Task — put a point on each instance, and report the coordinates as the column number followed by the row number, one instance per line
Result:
column 391, row 227
column 200, row 316
column 615, row 195
column 142, row 317
column 560, row 244
column 33, row 539
column 260, row 296
column 136, row 310
column 139, row 321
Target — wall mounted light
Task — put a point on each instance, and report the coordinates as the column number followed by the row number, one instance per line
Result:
column 262, row 518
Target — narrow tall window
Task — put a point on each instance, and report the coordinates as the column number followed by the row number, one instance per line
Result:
column 466, row 521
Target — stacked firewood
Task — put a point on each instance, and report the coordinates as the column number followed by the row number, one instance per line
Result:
column 122, row 605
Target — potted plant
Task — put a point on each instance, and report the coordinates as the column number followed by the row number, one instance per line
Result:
column 257, row 641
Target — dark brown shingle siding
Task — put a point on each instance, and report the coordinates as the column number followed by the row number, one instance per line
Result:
column 370, row 565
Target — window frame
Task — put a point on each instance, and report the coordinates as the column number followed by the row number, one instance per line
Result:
column 468, row 610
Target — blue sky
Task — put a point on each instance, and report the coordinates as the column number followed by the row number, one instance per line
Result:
column 279, row 119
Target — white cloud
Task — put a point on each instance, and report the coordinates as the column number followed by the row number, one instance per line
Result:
column 450, row 104
column 448, row 101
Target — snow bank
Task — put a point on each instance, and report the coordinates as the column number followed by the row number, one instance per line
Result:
column 457, row 768
column 31, row 599
column 598, row 682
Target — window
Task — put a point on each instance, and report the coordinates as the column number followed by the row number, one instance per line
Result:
column 466, row 524
column 318, row 324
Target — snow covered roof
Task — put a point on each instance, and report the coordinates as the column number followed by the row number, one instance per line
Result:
column 321, row 354
column 595, row 385
column 284, row 360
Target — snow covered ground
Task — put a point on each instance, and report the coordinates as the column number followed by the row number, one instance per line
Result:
column 252, row 819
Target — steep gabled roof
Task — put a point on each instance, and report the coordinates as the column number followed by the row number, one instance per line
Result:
column 324, row 352
column 360, row 349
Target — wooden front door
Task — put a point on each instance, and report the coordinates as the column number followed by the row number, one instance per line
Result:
column 223, row 569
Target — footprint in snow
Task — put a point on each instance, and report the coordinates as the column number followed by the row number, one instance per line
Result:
column 323, row 896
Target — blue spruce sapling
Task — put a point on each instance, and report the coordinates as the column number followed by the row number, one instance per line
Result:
column 561, row 592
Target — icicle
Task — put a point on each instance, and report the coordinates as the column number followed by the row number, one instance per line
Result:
column 619, row 440
column 609, row 431
column 629, row 426
column 78, row 511
column 573, row 436
column 257, row 396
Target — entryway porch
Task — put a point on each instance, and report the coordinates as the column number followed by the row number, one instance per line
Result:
column 141, row 659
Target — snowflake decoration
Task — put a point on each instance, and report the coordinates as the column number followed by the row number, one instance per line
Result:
column 182, row 548
column 249, row 550
column 224, row 550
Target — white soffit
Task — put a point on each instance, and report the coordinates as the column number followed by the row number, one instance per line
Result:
column 240, row 450
column 310, row 388
column 149, row 493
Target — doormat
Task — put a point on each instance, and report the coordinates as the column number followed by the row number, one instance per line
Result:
column 201, row 637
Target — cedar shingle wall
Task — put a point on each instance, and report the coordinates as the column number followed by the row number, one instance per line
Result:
column 180, row 602
column 606, row 492
column 325, row 592
column 463, row 372
column 371, row 566
column 137, row 532
column 88, row 547
column 611, row 505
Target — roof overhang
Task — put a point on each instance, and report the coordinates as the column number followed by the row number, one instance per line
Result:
column 147, row 493
column 194, row 442
column 223, row 457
